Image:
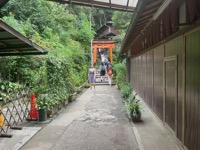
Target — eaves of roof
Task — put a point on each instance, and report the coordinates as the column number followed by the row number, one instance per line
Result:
column 13, row 43
column 120, row 5
column 142, row 18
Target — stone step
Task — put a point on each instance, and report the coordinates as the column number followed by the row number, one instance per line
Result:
column 104, row 83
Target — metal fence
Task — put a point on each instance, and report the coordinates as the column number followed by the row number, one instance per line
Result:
column 14, row 110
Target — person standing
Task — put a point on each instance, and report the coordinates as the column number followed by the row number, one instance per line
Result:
column 91, row 77
column 102, row 71
column 109, row 74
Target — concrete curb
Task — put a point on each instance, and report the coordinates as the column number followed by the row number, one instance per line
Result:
column 137, row 136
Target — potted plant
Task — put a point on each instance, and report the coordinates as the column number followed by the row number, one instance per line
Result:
column 43, row 106
column 132, row 108
column 53, row 107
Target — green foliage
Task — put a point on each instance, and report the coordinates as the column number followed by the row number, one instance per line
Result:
column 39, row 85
column 52, row 102
column 7, row 90
column 120, row 74
column 100, row 17
column 131, row 106
column 43, row 102
column 118, row 56
column 64, row 75
column 59, row 70
column 62, row 30
column 14, row 23
column 121, row 20
column 18, row 69
column 126, row 90
column 51, row 25
column 65, row 31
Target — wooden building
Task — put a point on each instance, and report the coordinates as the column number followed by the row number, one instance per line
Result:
column 163, row 64
column 107, row 31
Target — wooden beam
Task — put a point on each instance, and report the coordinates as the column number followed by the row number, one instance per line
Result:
column 98, row 4
column 22, row 54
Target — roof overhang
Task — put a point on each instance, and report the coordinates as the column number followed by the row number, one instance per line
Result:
column 123, row 5
column 3, row 2
column 13, row 43
column 144, row 15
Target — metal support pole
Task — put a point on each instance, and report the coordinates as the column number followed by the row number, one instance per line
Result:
column 91, row 49
column 92, row 61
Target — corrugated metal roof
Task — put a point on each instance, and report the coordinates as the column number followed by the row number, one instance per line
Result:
column 127, row 5
column 13, row 43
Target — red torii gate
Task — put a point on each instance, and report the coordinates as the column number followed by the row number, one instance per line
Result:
column 105, row 44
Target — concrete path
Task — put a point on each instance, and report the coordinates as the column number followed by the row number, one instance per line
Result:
column 151, row 134
column 95, row 121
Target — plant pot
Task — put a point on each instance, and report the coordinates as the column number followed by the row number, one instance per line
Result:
column 72, row 97
column 79, row 91
column 86, row 86
column 60, row 105
column 136, row 118
column 65, row 102
column 42, row 114
column 52, row 111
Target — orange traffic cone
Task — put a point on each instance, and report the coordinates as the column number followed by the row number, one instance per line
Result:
column 1, row 118
column 33, row 111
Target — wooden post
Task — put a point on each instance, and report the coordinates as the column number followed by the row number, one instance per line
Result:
column 95, row 54
column 111, row 58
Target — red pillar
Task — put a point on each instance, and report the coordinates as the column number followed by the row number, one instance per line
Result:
column 95, row 54
column 111, row 58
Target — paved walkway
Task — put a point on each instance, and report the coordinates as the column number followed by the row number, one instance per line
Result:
column 95, row 121
column 151, row 133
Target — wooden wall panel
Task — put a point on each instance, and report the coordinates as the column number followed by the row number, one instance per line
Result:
column 149, row 79
column 134, row 83
column 138, row 74
column 192, row 116
column 170, row 94
column 128, row 70
column 158, row 81
column 172, row 48
column 132, row 71
column 138, row 78
column 143, row 75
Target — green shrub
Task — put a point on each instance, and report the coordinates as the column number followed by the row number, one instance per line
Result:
column 131, row 106
column 120, row 74
column 126, row 90
column 8, row 90
column 43, row 102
